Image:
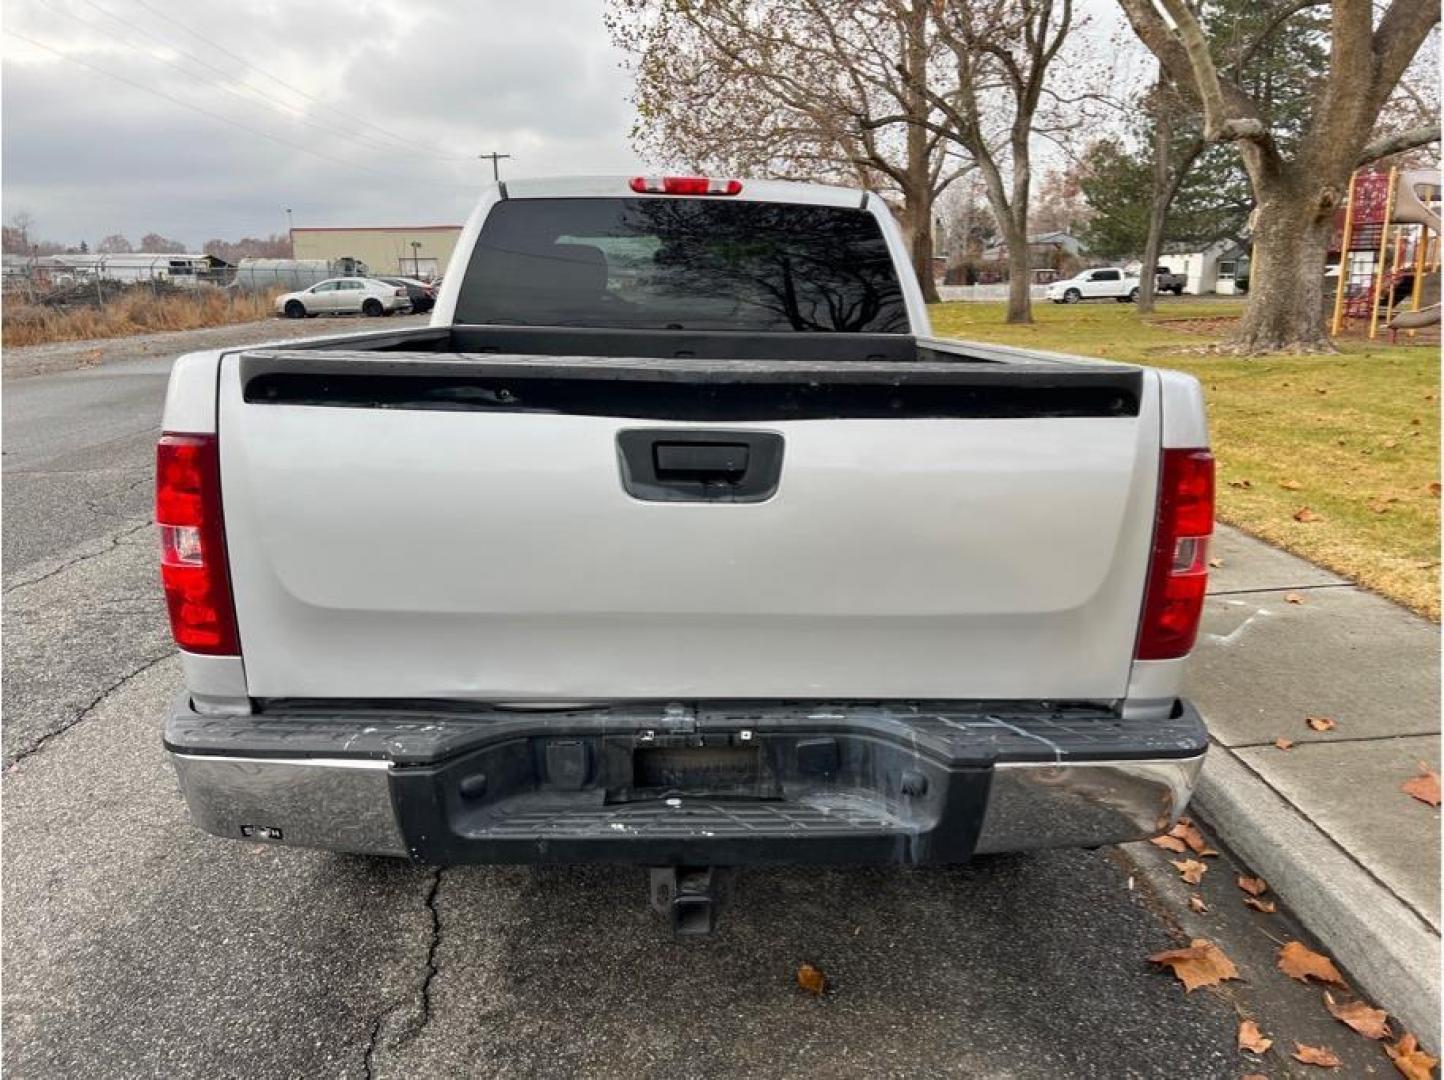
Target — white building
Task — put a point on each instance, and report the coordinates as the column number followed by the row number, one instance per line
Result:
column 1214, row 269
column 178, row 269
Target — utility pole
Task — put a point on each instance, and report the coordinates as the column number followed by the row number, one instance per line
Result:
column 416, row 258
column 495, row 167
column 290, row 233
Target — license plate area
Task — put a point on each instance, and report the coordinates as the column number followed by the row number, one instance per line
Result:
column 726, row 771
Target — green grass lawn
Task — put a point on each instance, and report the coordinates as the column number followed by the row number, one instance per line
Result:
column 1353, row 437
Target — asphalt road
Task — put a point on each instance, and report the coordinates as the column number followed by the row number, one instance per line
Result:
column 135, row 945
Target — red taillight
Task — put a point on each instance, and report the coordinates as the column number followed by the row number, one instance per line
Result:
column 193, row 545
column 685, row 185
column 1178, row 571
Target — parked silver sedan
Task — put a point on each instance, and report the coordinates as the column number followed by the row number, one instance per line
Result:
column 344, row 296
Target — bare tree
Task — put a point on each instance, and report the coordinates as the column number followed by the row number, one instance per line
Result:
column 1297, row 192
column 1001, row 51
column 791, row 88
column 160, row 244
column 274, row 246
column 1171, row 163
column 114, row 244
column 17, row 232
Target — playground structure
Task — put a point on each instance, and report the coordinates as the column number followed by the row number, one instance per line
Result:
column 1389, row 252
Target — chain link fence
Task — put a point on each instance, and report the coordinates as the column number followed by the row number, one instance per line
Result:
column 97, row 280
column 72, row 297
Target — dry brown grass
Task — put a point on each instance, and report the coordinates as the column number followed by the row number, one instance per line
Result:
column 136, row 311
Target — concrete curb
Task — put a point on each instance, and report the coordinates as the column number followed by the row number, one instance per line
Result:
column 1391, row 951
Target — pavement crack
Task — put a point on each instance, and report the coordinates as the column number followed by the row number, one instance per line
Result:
column 39, row 744
column 368, row 1062
column 1287, row 588
column 415, row 1024
column 431, row 949
column 113, row 541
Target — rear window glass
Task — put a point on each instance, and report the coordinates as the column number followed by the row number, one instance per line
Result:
column 682, row 264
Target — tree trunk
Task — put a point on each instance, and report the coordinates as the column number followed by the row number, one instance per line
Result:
column 1152, row 245
column 919, row 192
column 917, row 228
column 1020, row 274
column 1285, row 311
column 922, row 253
column 1158, row 203
column 1020, row 264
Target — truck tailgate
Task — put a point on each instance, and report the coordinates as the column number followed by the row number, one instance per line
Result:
column 401, row 544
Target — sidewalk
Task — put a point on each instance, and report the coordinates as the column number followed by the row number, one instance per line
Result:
column 1325, row 823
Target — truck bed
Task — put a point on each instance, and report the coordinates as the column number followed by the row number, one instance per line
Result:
column 684, row 376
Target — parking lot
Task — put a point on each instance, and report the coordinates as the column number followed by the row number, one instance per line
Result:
column 136, row 945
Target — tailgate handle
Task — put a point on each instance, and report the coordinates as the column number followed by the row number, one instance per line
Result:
column 665, row 465
column 700, row 461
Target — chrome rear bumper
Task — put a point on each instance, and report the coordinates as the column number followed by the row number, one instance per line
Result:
column 345, row 805
column 841, row 783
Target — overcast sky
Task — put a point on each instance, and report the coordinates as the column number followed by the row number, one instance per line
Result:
column 379, row 110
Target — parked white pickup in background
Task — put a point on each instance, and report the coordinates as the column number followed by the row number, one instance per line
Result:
column 1102, row 283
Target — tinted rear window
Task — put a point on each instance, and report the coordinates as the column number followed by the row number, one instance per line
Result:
column 685, row 264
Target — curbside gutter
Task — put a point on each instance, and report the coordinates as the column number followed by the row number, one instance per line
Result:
column 1391, row 951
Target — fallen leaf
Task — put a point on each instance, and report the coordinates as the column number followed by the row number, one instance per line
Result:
column 1191, row 869
column 1321, row 1056
column 1320, row 723
column 1215, row 563
column 1389, row 444
column 811, row 979
column 1298, row 961
column 1268, row 907
column 1410, row 1060
column 1291, row 485
column 1170, row 843
column 1250, row 1038
column 1368, row 1021
column 1240, row 483
column 1416, row 421
column 1434, row 487
column 1306, row 515
column 1379, row 506
column 1188, row 832
column 1196, row 903
column 1294, row 598
column 1284, row 744
column 1201, row 964
column 1424, row 787
column 1254, row 886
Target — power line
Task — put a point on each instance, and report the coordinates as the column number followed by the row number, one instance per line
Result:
column 289, row 86
column 291, row 111
column 285, row 109
column 226, row 119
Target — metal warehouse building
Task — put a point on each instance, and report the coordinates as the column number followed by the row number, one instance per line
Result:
column 413, row 250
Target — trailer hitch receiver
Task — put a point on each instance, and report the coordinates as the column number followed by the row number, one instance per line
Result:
column 690, row 896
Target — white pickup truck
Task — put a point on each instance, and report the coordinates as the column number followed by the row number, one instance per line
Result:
column 678, row 540
column 1100, row 283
